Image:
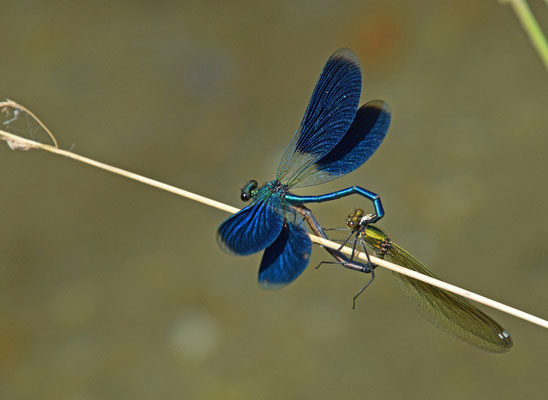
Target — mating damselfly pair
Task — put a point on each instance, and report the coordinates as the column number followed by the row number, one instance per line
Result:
column 334, row 138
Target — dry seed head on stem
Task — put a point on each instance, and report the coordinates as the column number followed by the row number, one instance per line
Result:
column 14, row 144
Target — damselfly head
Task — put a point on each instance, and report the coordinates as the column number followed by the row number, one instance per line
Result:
column 249, row 190
column 354, row 218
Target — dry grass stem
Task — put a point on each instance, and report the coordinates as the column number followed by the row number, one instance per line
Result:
column 18, row 143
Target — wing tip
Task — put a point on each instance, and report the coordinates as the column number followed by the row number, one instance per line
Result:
column 381, row 105
column 270, row 285
column 223, row 244
column 346, row 54
column 507, row 341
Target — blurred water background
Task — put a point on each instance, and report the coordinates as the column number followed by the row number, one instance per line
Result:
column 110, row 289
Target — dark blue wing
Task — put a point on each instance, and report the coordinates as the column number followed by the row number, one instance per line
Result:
column 328, row 116
column 358, row 144
column 251, row 229
column 285, row 259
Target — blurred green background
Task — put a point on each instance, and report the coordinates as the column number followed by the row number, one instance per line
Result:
column 110, row 289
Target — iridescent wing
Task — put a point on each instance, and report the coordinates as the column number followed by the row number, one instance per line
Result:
column 285, row 259
column 328, row 116
column 251, row 229
column 358, row 144
column 452, row 313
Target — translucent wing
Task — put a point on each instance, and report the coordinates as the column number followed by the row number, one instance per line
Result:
column 328, row 116
column 452, row 313
column 358, row 144
column 251, row 229
column 285, row 259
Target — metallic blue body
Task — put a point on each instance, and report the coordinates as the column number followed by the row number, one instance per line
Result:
column 379, row 210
